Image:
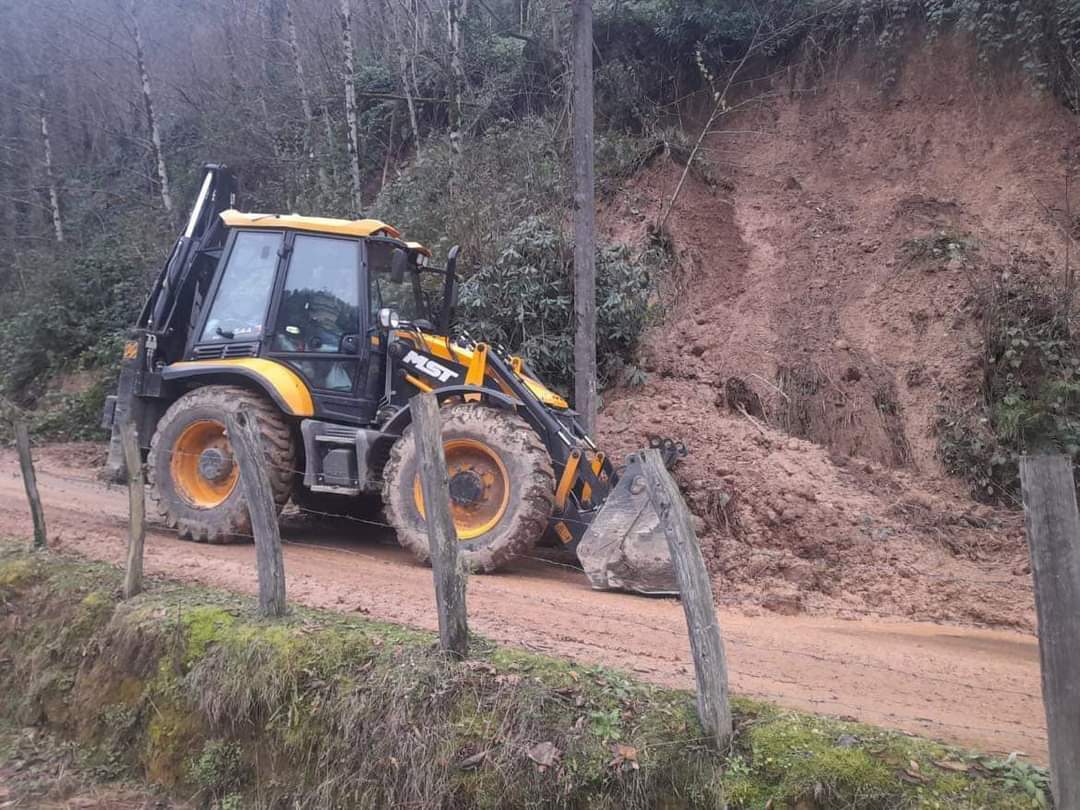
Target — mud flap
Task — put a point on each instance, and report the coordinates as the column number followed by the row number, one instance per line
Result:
column 625, row 547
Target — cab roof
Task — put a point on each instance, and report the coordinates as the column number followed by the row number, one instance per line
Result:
column 342, row 227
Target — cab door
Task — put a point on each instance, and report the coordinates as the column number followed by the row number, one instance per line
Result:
column 318, row 321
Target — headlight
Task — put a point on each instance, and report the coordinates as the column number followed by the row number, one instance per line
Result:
column 389, row 319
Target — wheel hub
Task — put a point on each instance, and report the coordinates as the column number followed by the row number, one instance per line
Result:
column 202, row 467
column 466, row 488
column 215, row 464
column 479, row 487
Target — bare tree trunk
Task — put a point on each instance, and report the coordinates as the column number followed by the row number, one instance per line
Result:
column 148, row 102
column 455, row 12
column 404, row 64
column 414, row 126
column 331, row 141
column 389, row 148
column 350, row 104
column 54, row 196
column 584, row 220
column 305, row 100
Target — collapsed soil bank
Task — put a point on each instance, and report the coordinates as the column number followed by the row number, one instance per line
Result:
column 811, row 332
column 191, row 691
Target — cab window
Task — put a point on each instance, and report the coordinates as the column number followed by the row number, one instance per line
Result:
column 239, row 307
column 320, row 303
column 405, row 297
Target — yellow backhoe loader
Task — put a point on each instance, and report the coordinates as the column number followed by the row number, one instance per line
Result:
column 327, row 328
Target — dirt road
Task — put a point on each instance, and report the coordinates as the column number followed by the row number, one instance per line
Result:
column 963, row 685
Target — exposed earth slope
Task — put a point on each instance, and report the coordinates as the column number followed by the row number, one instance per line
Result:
column 824, row 310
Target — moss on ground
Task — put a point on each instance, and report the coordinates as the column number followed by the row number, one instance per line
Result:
column 189, row 688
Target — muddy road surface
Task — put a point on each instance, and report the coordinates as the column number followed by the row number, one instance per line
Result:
column 958, row 684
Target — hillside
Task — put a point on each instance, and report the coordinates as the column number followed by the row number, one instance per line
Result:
column 804, row 299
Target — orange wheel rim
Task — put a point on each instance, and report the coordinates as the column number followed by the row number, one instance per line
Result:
column 479, row 487
column 203, row 469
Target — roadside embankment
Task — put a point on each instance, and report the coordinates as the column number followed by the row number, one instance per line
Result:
column 187, row 688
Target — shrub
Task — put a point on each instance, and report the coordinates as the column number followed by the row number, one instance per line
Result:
column 525, row 302
column 1030, row 388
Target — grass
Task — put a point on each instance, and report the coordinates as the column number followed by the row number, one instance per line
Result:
column 188, row 688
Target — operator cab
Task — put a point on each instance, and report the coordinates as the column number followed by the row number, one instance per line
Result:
column 306, row 292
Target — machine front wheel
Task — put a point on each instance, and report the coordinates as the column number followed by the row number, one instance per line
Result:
column 502, row 486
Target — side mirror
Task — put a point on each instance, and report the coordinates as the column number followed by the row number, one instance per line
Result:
column 398, row 265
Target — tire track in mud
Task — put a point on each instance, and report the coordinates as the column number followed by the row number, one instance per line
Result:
column 963, row 685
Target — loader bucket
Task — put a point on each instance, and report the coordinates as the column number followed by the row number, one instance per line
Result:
column 625, row 547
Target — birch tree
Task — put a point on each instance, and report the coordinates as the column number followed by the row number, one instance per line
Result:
column 305, row 99
column 50, row 178
column 151, row 117
column 350, row 104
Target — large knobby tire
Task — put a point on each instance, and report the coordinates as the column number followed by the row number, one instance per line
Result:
column 193, row 476
column 501, row 486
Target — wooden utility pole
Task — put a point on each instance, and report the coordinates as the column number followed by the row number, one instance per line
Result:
column 350, row 105
column 454, row 15
column 26, row 463
column 1053, row 531
column 244, row 436
column 442, row 536
column 695, row 592
column 584, row 220
column 133, row 572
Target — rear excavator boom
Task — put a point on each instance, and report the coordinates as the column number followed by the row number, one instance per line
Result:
column 327, row 329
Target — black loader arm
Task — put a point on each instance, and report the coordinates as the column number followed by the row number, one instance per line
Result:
column 161, row 333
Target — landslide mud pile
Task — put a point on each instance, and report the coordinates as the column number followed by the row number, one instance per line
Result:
column 822, row 310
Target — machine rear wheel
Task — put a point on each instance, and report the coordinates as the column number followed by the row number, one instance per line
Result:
column 193, row 476
column 501, row 486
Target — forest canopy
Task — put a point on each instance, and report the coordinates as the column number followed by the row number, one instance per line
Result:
column 448, row 118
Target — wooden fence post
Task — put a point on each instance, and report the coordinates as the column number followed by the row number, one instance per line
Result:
column 447, row 570
column 133, row 573
column 1053, row 532
column 26, row 462
column 695, row 589
column 244, row 437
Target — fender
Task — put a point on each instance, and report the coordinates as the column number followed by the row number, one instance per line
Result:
column 400, row 420
column 279, row 382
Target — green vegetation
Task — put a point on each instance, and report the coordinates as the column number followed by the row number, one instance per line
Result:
column 64, row 306
column 188, row 688
column 525, row 299
column 1030, row 394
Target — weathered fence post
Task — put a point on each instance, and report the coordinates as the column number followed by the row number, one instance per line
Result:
column 133, row 573
column 695, row 589
column 448, row 572
column 26, row 462
column 1053, row 532
column 247, row 446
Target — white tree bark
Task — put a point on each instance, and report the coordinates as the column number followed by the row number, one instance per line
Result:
column 54, row 195
column 305, row 100
column 405, row 59
column 350, row 105
column 148, row 102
